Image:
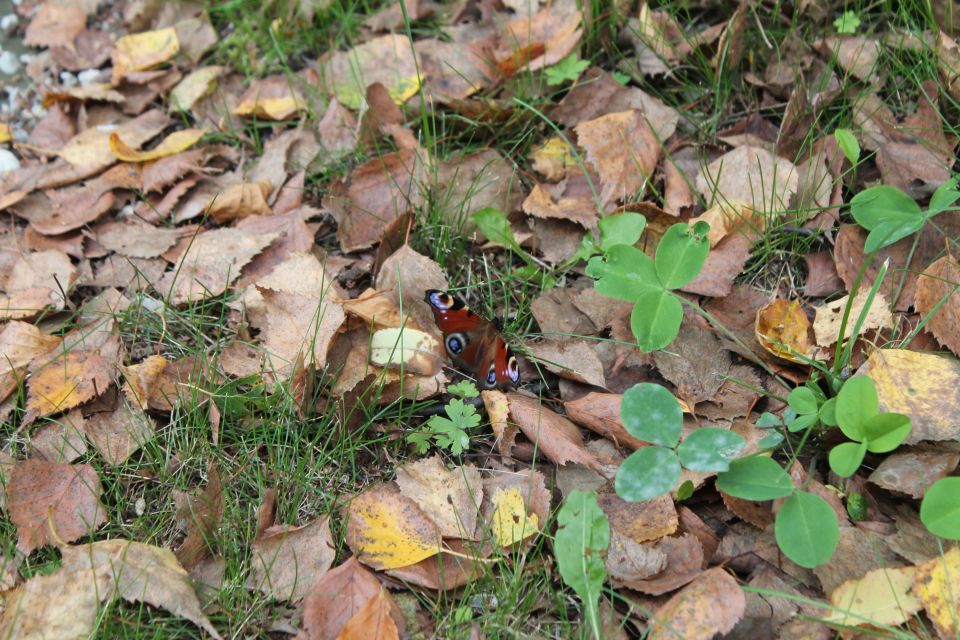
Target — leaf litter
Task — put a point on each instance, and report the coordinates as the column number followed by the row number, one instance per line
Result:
column 310, row 210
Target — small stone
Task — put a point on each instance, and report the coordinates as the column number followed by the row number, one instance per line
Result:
column 92, row 76
column 67, row 79
column 9, row 64
column 8, row 161
column 9, row 22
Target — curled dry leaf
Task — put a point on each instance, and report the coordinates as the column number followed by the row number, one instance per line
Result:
column 288, row 561
column 684, row 563
column 450, row 498
column 337, row 597
column 91, row 147
column 386, row 530
column 640, row 521
column 557, row 437
column 498, row 411
column 53, row 503
column 923, row 386
column 712, row 604
column 783, row 329
column 630, row 560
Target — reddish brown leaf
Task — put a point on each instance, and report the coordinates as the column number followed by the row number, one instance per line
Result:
column 337, row 596
column 557, row 437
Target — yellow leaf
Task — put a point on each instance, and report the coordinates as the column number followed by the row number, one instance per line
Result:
column 195, row 86
column 142, row 51
column 552, row 158
column 387, row 530
column 782, row 328
column 510, row 522
column 923, row 386
column 174, row 143
column 5, row 134
column 882, row 596
column 727, row 217
column 937, row 584
column 406, row 348
column 69, row 380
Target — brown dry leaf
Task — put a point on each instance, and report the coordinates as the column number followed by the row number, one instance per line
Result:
column 452, row 71
column 684, row 563
column 201, row 513
column 287, row 561
column 388, row 60
column 696, row 363
column 374, row 620
column 557, row 437
column 142, row 51
column 712, row 604
column 624, row 150
column 376, row 310
column 539, row 40
column 935, row 584
column 783, row 329
column 640, row 521
column 557, row 311
column 69, row 380
column 53, row 503
column 299, row 327
column 881, row 597
column 467, row 183
column 239, row 201
column 337, row 131
column 63, row 210
column 939, row 282
column 337, row 597
column 570, row 359
column 283, row 155
column 723, row 265
column 405, row 276
column 859, row 551
column 725, row 218
column 50, row 269
column 912, row 472
column 857, row 55
column 923, row 386
column 27, row 302
column 270, row 98
column 450, row 498
column 174, row 143
column 374, row 195
column 213, row 260
column 135, row 239
column 498, row 411
column 91, row 147
column 822, row 278
column 450, row 569
column 541, row 204
column 63, row 441
column 55, row 24
column 826, row 322
column 293, row 237
column 117, row 434
column 600, row 412
column 630, row 560
column 21, row 342
column 552, row 158
column 751, row 175
column 387, row 530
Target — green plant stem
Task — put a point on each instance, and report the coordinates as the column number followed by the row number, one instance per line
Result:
column 837, row 362
column 861, row 318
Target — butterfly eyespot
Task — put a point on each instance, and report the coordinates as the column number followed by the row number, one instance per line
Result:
column 455, row 343
column 440, row 300
column 513, row 370
column 492, row 376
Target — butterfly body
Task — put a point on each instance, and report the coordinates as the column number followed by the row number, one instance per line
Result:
column 473, row 342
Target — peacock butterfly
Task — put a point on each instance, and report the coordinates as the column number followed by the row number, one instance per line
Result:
column 472, row 342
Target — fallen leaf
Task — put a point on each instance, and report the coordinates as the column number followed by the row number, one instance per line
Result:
column 923, row 386
column 62, row 441
column 142, row 51
column 722, row 267
column 712, row 604
column 374, row 620
column 239, row 201
column 288, row 561
column 202, row 512
column 881, row 597
column 450, row 498
column 826, row 322
column 293, row 237
column 451, row 71
column 55, row 24
column 389, row 60
column 386, row 530
column 457, row 565
column 750, row 175
column 374, row 195
column 510, row 523
column 624, row 150
column 640, row 521
column 406, row 349
column 552, row 158
column 337, row 597
column 405, row 277
column 557, row 312
column 551, row 205
column 727, row 217
column 212, row 261
column 684, row 563
column 174, row 143
column 822, row 278
column 50, row 269
column 857, row 55
column 630, row 560
column 782, row 328
column 570, row 359
column 558, row 438
column 91, row 147
column 68, row 380
column 472, row 181
column 270, row 98
column 498, row 411
column 696, row 363
column 117, row 434
column 935, row 585
column 936, row 284
column 53, row 503
column 197, row 84
column 20, row 344
column 135, row 239
column 538, row 40
column 912, row 472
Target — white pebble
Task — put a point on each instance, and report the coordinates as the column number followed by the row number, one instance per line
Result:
column 90, row 76
column 9, row 64
column 9, row 22
column 8, row 161
column 67, row 79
